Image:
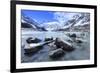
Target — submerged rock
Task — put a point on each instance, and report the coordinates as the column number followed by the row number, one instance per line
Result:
column 31, row 40
column 56, row 53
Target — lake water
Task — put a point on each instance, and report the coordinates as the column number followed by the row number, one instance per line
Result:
column 82, row 51
column 43, row 35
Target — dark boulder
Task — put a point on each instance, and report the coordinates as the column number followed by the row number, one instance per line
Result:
column 48, row 39
column 73, row 35
column 56, row 53
column 29, row 48
column 28, row 39
column 70, row 41
column 64, row 44
column 58, row 43
column 31, row 40
column 79, row 41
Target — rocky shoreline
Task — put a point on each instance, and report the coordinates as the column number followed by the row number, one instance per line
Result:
column 56, row 49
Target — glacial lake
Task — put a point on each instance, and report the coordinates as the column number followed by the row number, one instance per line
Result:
column 82, row 51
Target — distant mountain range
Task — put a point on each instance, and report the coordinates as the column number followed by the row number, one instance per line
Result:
column 50, row 26
column 80, row 21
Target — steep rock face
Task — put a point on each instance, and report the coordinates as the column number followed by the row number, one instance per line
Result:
column 27, row 22
column 26, row 25
column 80, row 21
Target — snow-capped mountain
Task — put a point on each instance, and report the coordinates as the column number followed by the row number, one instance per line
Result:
column 51, row 26
column 77, row 21
column 80, row 20
column 27, row 22
column 84, row 19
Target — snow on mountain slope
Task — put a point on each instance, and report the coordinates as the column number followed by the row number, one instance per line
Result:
column 82, row 24
column 51, row 25
column 76, row 19
column 80, row 19
column 27, row 22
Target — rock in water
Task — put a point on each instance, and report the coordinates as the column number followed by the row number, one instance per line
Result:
column 48, row 39
column 28, row 39
column 73, row 35
column 64, row 44
column 56, row 53
column 31, row 40
column 32, row 48
column 36, row 40
column 58, row 43
column 79, row 41
column 52, row 46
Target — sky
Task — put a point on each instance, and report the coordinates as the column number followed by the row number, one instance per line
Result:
column 40, row 16
column 43, row 17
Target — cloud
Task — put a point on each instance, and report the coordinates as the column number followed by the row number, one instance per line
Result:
column 63, row 17
column 60, row 18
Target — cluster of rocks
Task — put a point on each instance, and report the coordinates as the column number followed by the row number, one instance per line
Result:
column 76, row 38
column 34, row 44
column 59, row 47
